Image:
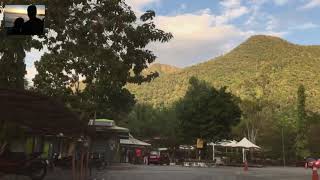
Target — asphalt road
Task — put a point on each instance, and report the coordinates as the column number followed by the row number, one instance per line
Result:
column 215, row 173
column 141, row 172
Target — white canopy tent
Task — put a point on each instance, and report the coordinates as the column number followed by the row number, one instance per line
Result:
column 246, row 144
column 225, row 143
column 229, row 143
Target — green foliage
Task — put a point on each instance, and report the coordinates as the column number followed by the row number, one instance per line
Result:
column 206, row 112
column 256, row 115
column 161, row 69
column 282, row 120
column 262, row 66
column 265, row 73
column 301, row 109
column 101, row 43
column 302, row 126
column 146, row 122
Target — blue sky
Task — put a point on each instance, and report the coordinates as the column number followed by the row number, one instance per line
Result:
column 204, row 29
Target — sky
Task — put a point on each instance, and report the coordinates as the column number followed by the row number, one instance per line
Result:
column 22, row 9
column 204, row 29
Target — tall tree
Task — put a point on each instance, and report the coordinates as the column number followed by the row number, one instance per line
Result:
column 102, row 44
column 302, row 125
column 206, row 112
column 255, row 115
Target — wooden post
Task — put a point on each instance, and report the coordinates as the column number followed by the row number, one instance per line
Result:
column 73, row 166
column 87, row 164
column 81, row 165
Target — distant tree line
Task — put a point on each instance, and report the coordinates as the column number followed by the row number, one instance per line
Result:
column 289, row 132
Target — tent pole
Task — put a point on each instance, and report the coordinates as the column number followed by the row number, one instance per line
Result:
column 213, row 152
column 243, row 155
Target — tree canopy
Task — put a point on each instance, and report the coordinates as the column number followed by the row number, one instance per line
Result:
column 206, row 112
column 101, row 43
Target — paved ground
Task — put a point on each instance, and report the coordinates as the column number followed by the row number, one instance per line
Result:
column 134, row 172
column 217, row 173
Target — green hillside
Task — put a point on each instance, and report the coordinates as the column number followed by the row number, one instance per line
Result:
column 262, row 66
column 162, row 69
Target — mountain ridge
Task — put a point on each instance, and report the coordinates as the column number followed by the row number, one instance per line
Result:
column 262, row 66
column 161, row 69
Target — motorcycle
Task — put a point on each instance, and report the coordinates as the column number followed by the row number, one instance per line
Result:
column 26, row 165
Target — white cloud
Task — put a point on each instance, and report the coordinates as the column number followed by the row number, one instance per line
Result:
column 208, row 35
column 305, row 26
column 272, row 23
column 196, row 41
column 230, row 3
column 255, row 11
column 137, row 5
column 232, row 9
column 311, row 4
column 280, row 2
column 31, row 72
column 201, row 35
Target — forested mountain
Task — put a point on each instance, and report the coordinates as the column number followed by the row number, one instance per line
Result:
column 262, row 66
column 162, row 69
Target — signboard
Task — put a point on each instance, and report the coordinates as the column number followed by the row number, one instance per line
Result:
column 200, row 143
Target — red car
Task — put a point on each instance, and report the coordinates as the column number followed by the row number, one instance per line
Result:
column 310, row 162
column 158, row 157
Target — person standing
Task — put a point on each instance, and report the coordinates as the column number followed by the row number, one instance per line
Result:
column 34, row 25
column 146, row 158
column 138, row 155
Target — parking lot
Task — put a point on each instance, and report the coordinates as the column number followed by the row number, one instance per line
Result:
column 215, row 173
column 153, row 172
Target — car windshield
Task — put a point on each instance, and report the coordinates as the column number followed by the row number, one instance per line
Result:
column 159, row 89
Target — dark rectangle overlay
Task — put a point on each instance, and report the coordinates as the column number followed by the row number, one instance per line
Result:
column 24, row 19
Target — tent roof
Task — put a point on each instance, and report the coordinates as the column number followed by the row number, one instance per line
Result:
column 229, row 143
column 225, row 143
column 38, row 112
column 245, row 143
column 133, row 141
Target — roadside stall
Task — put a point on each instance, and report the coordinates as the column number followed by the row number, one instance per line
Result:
column 131, row 147
column 35, row 117
column 105, row 141
column 186, row 153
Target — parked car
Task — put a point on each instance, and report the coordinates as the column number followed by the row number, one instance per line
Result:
column 310, row 162
column 158, row 157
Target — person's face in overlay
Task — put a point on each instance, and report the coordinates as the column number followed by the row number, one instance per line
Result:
column 32, row 11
